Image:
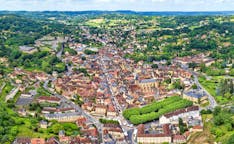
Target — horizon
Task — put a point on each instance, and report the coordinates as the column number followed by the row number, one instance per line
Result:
column 110, row 11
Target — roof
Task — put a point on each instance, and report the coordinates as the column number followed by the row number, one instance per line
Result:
column 165, row 127
column 23, row 140
column 38, row 141
column 60, row 115
column 148, row 81
column 195, row 94
column 46, row 98
column 180, row 111
column 197, row 127
column 179, row 137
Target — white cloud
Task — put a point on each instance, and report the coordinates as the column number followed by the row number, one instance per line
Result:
column 138, row 5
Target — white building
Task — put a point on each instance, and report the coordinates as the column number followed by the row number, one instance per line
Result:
column 185, row 113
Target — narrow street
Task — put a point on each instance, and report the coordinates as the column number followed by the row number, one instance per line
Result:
column 212, row 102
column 77, row 108
column 124, row 123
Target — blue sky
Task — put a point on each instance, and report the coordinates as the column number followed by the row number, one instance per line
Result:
column 137, row 5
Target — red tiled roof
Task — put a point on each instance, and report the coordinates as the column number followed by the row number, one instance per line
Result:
column 180, row 111
column 197, row 127
column 46, row 98
column 37, row 141
column 179, row 137
column 166, row 132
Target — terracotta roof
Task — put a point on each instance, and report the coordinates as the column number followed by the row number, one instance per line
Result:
column 46, row 98
column 197, row 127
column 141, row 132
column 180, row 111
column 37, row 141
column 179, row 137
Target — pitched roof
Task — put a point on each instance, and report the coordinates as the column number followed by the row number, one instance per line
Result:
column 180, row 111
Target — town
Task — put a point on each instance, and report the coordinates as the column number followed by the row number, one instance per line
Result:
column 91, row 90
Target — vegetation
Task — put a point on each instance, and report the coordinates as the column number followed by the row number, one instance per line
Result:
column 223, row 124
column 182, row 126
column 155, row 110
column 106, row 121
column 89, row 52
column 219, row 87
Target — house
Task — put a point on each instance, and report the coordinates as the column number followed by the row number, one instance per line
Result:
column 50, row 99
column 196, row 96
column 47, row 110
column 196, row 128
column 100, row 110
column 43, row 124
column 152, row 137
column 90, row 131
column 185, row 113
column 22, row 140
column 208, row 62
column 111, row 112
column 37, row 141
column 22, row 112
column 63, row 117
column 147, row 84
column 178, row 139
column 52, row 141
column 115, row 131
column 27, row 49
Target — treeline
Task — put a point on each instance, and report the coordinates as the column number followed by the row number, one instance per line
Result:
column 8, row 125
column 38, row 61
column 223, row 124
column 155, row 110
column 226, row 88
column 18, row 30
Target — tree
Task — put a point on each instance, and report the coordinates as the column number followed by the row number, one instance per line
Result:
column 27, row 63
column 181, row 126
column 231, row 139
column 78, row 100
column 217, row 110
column 192, row 65
column 194, row 86
column 154, row 66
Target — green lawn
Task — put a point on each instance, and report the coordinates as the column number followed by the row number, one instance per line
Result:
column 211, row 86
column 42, row 92
column 8, row 87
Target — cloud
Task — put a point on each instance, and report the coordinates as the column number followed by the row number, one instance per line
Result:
column 159, row 0
column 138, row 5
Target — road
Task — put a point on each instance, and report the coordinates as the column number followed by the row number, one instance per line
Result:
column 77, row 108
column 212, row 102
column 211, row 99
column 124, row 123
column 59, row 54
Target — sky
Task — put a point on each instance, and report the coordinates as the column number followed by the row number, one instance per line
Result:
column 136, row 5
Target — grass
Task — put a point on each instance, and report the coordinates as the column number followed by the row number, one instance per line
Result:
column 205, row 136
column 211, row 85
column 95, row 22
column 8, row 87
column 42, row 92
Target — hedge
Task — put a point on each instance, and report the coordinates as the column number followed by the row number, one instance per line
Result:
column 155, row 110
